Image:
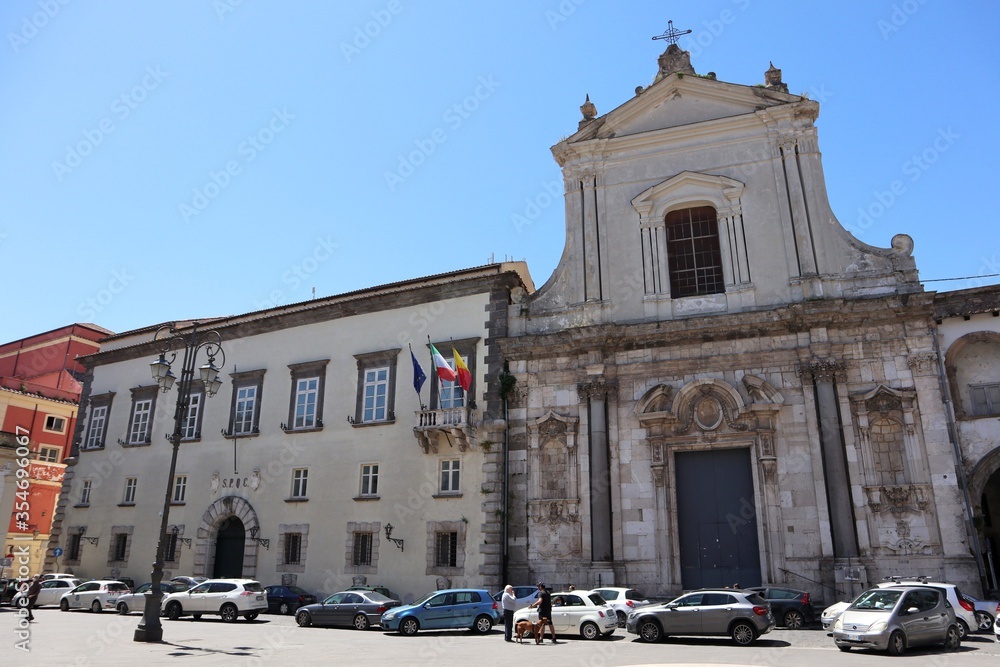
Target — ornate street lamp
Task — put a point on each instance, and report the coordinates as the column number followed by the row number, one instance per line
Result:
column 150, row 629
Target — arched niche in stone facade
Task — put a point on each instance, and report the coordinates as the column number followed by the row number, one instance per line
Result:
column 972, row 359
column 895, row 474
column 553, row 490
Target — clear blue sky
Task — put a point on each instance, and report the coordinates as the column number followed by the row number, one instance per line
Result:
column 195, row 158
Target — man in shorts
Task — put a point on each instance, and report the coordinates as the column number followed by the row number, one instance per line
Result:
column 544, row 604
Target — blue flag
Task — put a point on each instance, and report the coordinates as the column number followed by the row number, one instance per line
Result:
column 419, row 377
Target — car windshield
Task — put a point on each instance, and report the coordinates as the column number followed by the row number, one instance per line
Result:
column 608, row 595
column 253, row 586
column 424, row 599
column 377, row 597
column 878, row 599
column 596, row 599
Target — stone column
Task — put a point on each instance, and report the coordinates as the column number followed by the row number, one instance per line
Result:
column 596, row 393
column 836, row 478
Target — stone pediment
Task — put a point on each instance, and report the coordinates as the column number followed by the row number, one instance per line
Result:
column 681, row 99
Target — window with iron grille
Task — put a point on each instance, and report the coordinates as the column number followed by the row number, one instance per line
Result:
column 446, row 549
column 73, row 549
column 120, row 546
column 170, row 553
column 362, row 549
column 293, row 548
column 693, row 253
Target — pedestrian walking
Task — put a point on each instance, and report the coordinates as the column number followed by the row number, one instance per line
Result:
column 509, row 603
column 33, row 590
column 544, row 604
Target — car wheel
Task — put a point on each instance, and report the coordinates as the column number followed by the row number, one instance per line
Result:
column 985, row 621
column 252, row 615
column 622, row 619
column 483, row 624
column 963, row 629
column 360, row 622
column 96, row 607
column 63, row 605
column 794, row 620
column 409, row 626
column 174, row 611
column 229, row 613
column 303, row 619
column 743, row 634
column 284, row 609
column 122, row 608
column 952, row 642
column 897, row 643
column 649, row 631
column 590, row 631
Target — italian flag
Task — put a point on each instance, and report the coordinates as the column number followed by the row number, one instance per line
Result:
column 443, row 369
column 464, row 376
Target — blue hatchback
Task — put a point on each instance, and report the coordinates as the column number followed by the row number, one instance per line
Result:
column 441, row 610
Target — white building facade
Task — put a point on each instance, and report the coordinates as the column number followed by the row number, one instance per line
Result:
column 317, row 464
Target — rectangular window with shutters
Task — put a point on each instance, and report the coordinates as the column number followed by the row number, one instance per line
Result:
column 985, row 399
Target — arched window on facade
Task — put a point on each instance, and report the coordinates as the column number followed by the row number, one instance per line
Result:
column 693, row 253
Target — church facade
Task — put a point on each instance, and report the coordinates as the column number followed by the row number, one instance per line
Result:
column 719, row 384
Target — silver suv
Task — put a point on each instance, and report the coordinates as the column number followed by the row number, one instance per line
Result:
column 742, row 615
column 895, row 618
column 229, row 598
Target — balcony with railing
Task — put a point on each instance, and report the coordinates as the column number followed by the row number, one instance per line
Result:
column 448, row 424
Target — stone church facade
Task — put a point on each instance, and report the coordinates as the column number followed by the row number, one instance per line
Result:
column 719, row 384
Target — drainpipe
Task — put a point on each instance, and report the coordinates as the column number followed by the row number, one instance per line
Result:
column 962, row 481
column 506, row 477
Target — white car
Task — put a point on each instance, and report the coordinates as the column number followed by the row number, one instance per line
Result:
column 576, row 613
column 51, row 592
column 58, row 575
column 985, row 612
column 229, row 598
column 965, row 613
column 622, row 600
column 94, row 595
column 136, row 600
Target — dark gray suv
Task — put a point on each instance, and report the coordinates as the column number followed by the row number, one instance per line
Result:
column 742, row 615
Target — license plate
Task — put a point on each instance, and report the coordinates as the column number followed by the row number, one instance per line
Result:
column 854, row 638
column 260, row 597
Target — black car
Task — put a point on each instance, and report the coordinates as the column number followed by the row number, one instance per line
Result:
column 286, row 599
column 791, row 608
column 9, row 588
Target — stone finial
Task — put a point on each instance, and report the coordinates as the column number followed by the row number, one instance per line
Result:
column 588, row 109
column 674, row 60
column 772, row 79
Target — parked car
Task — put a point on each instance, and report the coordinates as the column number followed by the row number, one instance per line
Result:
column 229, row 598
column 791, row 607
column 441, row 610
column 964, row 611
column 190, row 581
column 128, row 581
column 9, row 588
column 523, row 596
column 64, row 575
column 895, row 618
column 136, row 600
column 285, row 600
column 996, row 623
column 740, row 614
column 583, row 613
column 95, row 595
column 985, row 611
column 51, row 592
column 622, row 600
column 375, row 589
column 357, row 609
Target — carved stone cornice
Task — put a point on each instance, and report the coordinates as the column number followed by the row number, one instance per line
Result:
column 924, row 364
column 599, row 388
column 822, row 371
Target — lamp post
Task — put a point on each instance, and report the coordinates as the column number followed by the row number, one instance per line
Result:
column 150, row 629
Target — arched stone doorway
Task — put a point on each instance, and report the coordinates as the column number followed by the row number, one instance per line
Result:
column 984, row 489
column 229, row 546
column 224, row 533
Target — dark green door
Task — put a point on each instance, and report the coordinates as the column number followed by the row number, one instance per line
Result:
column 229, row 550
column 717, row 519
